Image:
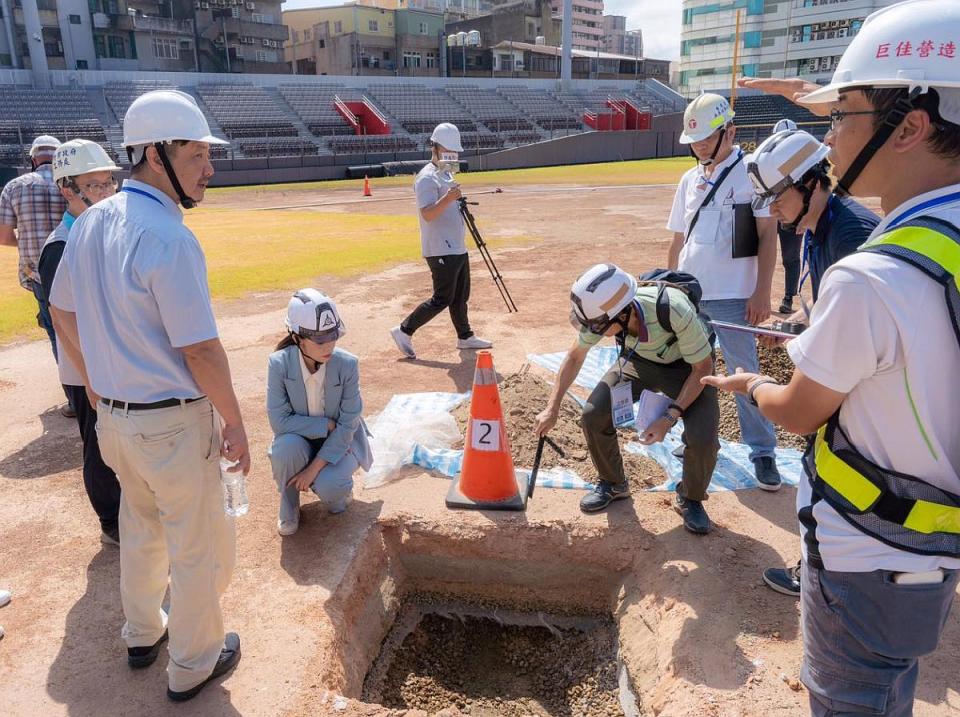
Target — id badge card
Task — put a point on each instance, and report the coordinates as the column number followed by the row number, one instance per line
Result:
column 621, row 404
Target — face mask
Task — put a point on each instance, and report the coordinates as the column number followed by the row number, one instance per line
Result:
column 449, row 162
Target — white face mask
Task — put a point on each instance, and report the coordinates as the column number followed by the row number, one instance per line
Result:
column 449, row 162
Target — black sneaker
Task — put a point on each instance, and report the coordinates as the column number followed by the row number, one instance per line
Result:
column 229, row 657
column 602, row 495
column 767, row 474
column 786, row 305
column 695, row 518
column 784, row 580
column 140, row 657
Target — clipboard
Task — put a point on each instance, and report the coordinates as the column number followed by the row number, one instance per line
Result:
column 755, row 330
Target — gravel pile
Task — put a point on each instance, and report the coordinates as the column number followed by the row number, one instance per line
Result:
column 482, row 667
column 522, row 396
column 774, row 362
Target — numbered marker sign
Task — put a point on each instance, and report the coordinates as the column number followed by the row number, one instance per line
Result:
column 485, row 435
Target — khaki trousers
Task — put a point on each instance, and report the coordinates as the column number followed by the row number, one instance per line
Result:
column 171, row 522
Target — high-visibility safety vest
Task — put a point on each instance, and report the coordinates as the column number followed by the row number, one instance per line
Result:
column 900, row 510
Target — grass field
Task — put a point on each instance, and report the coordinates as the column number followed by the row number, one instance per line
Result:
column 250, row 251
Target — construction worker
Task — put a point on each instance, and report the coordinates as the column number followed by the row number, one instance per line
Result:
column 84, row 173
column 789, row 245
column 731, row 249
column 314, row 406
column 442, row 232
column 878, row 505
column 133, row 309
column 32, row 205
column 832, row 226
column 606, row 301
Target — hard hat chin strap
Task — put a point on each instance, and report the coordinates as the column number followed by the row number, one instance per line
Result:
column 716, row 149
column 807, row 193
column 186, row 201
column 890, row 122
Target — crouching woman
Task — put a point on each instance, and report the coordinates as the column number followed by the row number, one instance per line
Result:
column 314, row 406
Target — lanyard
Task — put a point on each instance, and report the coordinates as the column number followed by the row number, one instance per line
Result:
column 926, row 206
column 810, row 249
column 134, row 190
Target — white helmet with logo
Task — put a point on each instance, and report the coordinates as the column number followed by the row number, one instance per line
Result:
column 912, row 44
column 313, row 315
column 704, row 116
column 447, row 136
column 44, row 144
column 81, row 156
column 600, row 294
column 781, row 161
column 165, row 116
column 783, row 124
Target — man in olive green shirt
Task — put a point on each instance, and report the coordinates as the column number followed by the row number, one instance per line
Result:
column 607, row 302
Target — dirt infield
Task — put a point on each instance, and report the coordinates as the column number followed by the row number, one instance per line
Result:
column 696, row 630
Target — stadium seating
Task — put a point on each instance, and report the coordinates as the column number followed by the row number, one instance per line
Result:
column 371, row 144
column 541, row 107
column 244, row 110
column 314, row 104
column 276, row 147
column 64, row 113
column 492, row 109
column 418, row 108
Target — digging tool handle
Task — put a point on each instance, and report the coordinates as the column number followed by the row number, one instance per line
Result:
column 536, row 461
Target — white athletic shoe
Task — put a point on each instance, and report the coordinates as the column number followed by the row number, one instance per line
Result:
column 5, row 596
column 288, row 527
column 474, row 342
column 404, row 342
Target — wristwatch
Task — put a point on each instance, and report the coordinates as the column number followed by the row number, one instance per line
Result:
column 754, row 387
column 670, row 417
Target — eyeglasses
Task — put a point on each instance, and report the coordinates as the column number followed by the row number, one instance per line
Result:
column 836, row 116
column 98, row 187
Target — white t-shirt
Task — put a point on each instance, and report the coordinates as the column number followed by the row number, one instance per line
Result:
column 313, row 383
column 708, row 252
column 881, row 333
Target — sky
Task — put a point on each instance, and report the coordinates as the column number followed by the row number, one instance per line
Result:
column 659, row 20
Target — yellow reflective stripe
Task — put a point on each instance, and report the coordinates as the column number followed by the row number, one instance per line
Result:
column 856, row 489
column 718, row 121
column 932, row 244
column 926, row 517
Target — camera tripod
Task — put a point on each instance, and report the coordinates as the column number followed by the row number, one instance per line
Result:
column 485, row 253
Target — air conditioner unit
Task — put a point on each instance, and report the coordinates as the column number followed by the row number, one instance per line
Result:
column 834, row 23
column 815, row 27
column 205, row 5
column 842, row 32
column 251, row 6
column 266, row 42
column 196, row 6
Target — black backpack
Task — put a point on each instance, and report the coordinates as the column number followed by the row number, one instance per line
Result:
column 687, row 283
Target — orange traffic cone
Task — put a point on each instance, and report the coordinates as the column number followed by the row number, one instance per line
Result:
column 366, row 186
column 487, row 479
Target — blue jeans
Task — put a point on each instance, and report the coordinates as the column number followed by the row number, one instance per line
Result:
column 43, row 318
column 740, row 351
column 862, row 637
column 290, row 454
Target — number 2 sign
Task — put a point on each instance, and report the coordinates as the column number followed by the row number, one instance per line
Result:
column 484, row 435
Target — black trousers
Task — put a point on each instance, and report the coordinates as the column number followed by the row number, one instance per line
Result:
column 100, row 481
column 790, row 243
column 451, row 290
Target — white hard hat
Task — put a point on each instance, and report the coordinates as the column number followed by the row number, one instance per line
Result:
column 784, row 124
column 313, row 315
column 599, row 295
column 165, row 116
column 80, row 156
column 44, row 144
column 780, row 162
column 912, row 45
column 447, row 136
column 704, row 116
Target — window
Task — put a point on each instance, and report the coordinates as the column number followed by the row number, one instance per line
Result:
column 411, row 59
column 74, row 19
column 338, row 27
column 372, row 26
column 53, row 49
column 321, row 43
column 235, row 11
column 296, row 36
column 164, row 49
column 423, row 28
column 117, row 49
column 100, row 45
column 431, row 58
column 386, row 55
column 306, row 36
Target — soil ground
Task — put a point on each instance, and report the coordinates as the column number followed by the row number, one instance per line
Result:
column 725, row 644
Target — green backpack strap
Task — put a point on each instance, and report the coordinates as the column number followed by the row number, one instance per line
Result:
column 931, row 245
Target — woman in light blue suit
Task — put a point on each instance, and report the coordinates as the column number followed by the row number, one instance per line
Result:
column 314, row 406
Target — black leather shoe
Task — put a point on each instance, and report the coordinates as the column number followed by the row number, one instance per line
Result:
column 140, row 657
column 695, row 518
column 786, row 305
column 784, row 580
column 229, row 657
column 602, row 495
column 768, row 476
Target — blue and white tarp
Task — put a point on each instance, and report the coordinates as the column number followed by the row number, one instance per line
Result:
column 417, row 429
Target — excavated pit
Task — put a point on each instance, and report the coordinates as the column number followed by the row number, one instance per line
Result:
column 458, row 621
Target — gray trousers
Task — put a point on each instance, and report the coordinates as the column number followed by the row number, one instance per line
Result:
column 700, row 423
column 862, row 637
column 290, row 454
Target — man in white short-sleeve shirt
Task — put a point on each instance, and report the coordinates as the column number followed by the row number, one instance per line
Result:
column 731, row 249
column 878, row 504
column 132, row 299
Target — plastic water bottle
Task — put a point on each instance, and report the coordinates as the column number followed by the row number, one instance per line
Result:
column 235, row 502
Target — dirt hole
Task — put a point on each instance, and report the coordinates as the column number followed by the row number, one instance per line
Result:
column 486, row 662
